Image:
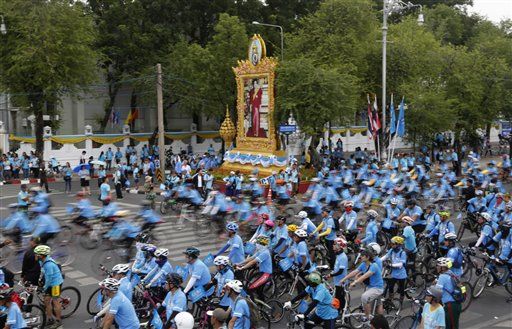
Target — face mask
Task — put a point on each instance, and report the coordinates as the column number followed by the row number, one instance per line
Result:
column 161, row 261
column 396, row 248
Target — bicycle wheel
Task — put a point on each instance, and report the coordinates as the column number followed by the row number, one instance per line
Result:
column 88, row 242
column 274, row 310
column 415, row 286
column 95, row 302
column 163, row 207
column 65, row 235
column 36, row 317
column 460, row 231
column 202, row 226
column 392, row 306
column 407, row 322
column 468, row 296
column 64, row 254
column 356, row 318
column 70, row 299
column 282, row 284
column 480, row 284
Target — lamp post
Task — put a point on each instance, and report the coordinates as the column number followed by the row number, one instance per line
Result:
column 3, row 31
column 390, row 7
column 282, row 35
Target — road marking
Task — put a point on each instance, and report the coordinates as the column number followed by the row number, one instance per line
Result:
column 87, row 281
column 75, row 274
column 16, row 195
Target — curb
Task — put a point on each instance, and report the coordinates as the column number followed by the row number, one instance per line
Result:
column 134, row 191
column 37, row 180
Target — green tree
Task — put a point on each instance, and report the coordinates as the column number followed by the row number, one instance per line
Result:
column 47, row 54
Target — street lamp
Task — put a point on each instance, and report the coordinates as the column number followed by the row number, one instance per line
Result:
column 3, row 28
column 390, row 7
column 282, row 35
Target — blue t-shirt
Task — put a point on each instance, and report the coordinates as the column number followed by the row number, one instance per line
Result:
column 409, row 239
column 324, row 308
column 124, row 312
column 240, row 310
column 222, row 279
column 176, row 302
column 51, row 273
column 200, row 271
column 104, row 191
column 376, row 280
column 432, row 320
column 15, row 318
column 341, row 262
column 395, row 258
column 445, row 282
column 125, row 286
column 329, row 223
column 236, row 254
column 265, row 261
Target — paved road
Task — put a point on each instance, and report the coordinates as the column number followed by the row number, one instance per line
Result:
column 489, row 311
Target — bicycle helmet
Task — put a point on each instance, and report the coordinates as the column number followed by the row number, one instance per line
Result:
column 397, row 239
column 192, row 252
column 479, row 193
column 302, row 214
column 162, row 252
column 110, row 284
column 121, row 268
column 42, row 250
column 281, row 218
column 508, row 205
column 375, row 248
column 435, row 292
column 393, row 201
column 444, row 214
column 301, row 234
column 450, row 236
column 292, row 228
column 444, row 262
column 372, row 214
column 263, row 240
column 407, row 220
column 148, row 248
column 235, row 285
column 340, row 242
column 221, row 260
column 5, row 291
column 184, row 320
column 175, row 279
column 232, row 227
column 486, row 216
column 348, row 204
column 314, row 278
column 269, row 223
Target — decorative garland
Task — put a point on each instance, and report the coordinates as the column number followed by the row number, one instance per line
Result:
column 255, row 159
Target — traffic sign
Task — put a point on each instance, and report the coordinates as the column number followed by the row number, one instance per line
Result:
column 287, row 129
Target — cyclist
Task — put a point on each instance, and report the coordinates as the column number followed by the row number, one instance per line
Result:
column 340, row 269
column 198, row 271
column 265, row 228
column 376, row 249
column 39, row 198
column 454, row 253
column 392, row 213
column 121, row 309
column 446, row 282
column 397, row 261
column 84, row 210
column 433, row 220
column 144, row 259
column 17, row 224
column 368, row 269
column 477, row 203
column 23, row 197
column 326, row 229
column 224, row 274
column 444, row 227
column 433, row 316
column 280, row 237
column 14, row 316
column 413, row 211
column 372, row 227
column 299, row 250
column 350, row 219
column 486, row 234
column 175, row 301
column 151, row 219
column 306, row 223
column 46, row 227
column 235, row 244
column 324, row 312
column 263, row 258
column 240, row 313
column 155, row 279
column 52, row 277
column 409, row 241
column 108, row 210
column 120, row 272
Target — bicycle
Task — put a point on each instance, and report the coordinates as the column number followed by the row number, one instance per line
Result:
column 411, row 321
column 469, row 222
column 70, row 298
column 492, row 275
column 96, row 300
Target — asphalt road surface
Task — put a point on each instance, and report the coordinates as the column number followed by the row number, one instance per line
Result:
column 489, row 311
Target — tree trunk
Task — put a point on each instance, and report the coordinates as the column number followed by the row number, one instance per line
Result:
column 113, row 88
column 133, row 106
column 39, row 125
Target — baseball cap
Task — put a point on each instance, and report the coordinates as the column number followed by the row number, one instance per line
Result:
column 219, row 314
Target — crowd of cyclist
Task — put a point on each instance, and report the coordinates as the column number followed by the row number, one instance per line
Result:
column 347, row 204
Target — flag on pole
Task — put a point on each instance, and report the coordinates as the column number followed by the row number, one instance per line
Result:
column 392, row 123
column 400, row 130
column 376, row 124
column 114, row 118
column 370, row 118
column 132, row 116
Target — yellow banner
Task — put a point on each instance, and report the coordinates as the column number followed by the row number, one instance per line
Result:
column 339, row 131
column 177, row 136
column 143, row 138
column 107, row 140
column 68, row 140
column 213, row 134
column 357, row 130
column 22, row 139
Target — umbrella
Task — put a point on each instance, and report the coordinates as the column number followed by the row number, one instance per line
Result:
column 79, row 167
column 98, row 162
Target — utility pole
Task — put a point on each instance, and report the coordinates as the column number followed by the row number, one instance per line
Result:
column 160, row 111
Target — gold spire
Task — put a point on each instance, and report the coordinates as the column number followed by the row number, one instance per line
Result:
column 227, row 129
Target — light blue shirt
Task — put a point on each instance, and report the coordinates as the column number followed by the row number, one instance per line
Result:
column 445, row 282
column 176, row 302
column 236, row 254
column 240, row 310
column 376, row 280
column 51, row 273
column 432, row 320
column 201, row 272
column 124, row 312
column 125, row 286
column 15, row 318
column 264, row 259
column 341, row 263
column 324, row 308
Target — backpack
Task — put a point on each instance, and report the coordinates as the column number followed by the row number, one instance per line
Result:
column 459, row 291
column 255, row 316
column 457, row 262
column 58, row 265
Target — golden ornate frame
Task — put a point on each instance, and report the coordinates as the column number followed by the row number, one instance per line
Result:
column 246, row 70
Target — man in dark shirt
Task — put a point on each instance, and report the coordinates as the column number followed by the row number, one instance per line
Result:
column 30, row 269
column 469, row 191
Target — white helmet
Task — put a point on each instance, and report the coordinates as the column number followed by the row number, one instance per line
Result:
column 486, row 216
column 184, row 320
column 162, row 252
column 372, row 214
column 110, row 284
column 375, row 247
column 302, row 214
column 121, row 268
column 393, row 201
column 301, row 233
column 450, row 236
column 221, row 260
column 235, row 285
column 443, row 261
